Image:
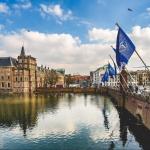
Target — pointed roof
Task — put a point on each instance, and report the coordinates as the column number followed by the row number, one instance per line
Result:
column 22, row 51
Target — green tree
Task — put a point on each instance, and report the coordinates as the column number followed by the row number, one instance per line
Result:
column 68, row 80
column 52, row 77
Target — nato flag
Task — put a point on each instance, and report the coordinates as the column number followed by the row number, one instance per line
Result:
column 105, row 76
column 119, row 57
column 111, row 71
column 124, row 47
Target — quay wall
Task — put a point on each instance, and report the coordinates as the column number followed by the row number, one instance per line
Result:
column 66, row 90
column 137, row 105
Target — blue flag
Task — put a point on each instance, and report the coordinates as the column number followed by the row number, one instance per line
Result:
column 124, row 47
column 119, row 57
column 105, row 76
column 114, row 63
column 112, row 71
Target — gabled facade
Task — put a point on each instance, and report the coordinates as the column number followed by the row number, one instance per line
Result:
column 18, row 75
column 22, row 75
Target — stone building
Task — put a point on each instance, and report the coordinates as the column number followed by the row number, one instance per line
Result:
column 143, row 77
column 18, row 75
column 22, row 75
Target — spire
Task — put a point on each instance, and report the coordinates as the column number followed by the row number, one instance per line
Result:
column 22, row 51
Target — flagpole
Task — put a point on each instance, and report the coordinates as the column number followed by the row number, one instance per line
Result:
column 120, row 72
column 142, row 60
column 122, row 77
column 130, row 74
column 136, row 52
column 146, row 67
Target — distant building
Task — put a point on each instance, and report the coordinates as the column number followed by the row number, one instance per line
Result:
column 143, row 77
column 22, row 75
column 78, row 80
column 97, row 77
column 60, row 78
column 139, row 77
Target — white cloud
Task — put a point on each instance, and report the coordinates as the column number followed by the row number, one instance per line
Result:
column 55, row 10
column 25, row 5
column 104, row 35
column 66, row 51
column 141, row 36
column 55, row 50
column 4, row 8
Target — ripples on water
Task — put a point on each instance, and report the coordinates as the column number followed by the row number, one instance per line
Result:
column 67, row 122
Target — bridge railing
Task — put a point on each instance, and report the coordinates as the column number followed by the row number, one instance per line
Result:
column 141, row 94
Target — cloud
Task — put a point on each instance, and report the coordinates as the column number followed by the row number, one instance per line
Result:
column 148, row 10
column 103, row 35
column 24, row 5
column 4, row 8
column 55, row 10
column 141, row 38
column 67, row 51
column 55, row 50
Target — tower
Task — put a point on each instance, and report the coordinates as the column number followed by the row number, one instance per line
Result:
column 26, row 72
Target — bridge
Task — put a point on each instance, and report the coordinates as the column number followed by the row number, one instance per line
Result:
column 136, row 104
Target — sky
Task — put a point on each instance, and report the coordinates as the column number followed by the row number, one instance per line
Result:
column 73, row 34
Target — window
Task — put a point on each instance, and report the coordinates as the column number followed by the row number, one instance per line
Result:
column 8, row 77
column 2, row 77
column 2, row 84
column 20, row 61
column 8, row 84
column 20, row 78
column 16, row 78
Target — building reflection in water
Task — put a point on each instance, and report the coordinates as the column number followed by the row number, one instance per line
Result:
column 105, row 109
column 24, row 111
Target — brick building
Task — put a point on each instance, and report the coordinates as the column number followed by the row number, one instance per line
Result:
column 21, row 75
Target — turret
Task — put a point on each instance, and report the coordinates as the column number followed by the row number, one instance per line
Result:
column 22, row 52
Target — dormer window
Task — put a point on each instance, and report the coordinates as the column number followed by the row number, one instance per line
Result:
column 20, row 61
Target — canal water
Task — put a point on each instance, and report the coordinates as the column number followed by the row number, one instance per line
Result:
column 67, row 122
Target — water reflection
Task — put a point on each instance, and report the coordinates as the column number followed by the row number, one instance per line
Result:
column 23, row 110
column 105, row 109
column 67, row 121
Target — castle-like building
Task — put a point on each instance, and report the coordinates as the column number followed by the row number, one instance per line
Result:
column 22, row 75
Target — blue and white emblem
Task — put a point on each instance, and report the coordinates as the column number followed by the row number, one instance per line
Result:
column 122, row 46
